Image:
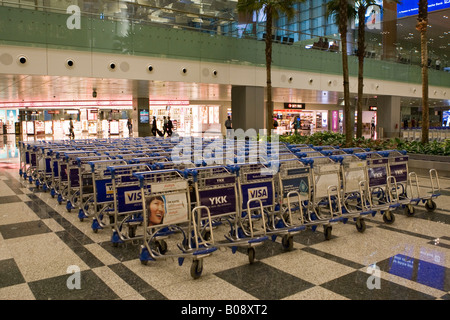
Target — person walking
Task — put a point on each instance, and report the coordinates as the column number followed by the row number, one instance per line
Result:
column 164, row 125
column 130, row 127
column 71, row 131
column 372, row 128
column 154, row 126
column 169, row 127
column 228, row 126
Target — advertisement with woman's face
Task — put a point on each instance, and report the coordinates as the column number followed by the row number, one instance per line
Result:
column 166, row 209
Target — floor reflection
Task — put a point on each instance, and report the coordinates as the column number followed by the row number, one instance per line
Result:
column 8, row 147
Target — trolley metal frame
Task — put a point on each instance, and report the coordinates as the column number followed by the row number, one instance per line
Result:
column 190, row 222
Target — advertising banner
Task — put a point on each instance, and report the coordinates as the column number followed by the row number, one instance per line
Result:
column 104, row 190
column 377, row 176
column 301, row 185
column 399, row 172
column 74, row 178
column 411, row 8
column 262, row 191
column 129, row 198
column 166, row 209
column 219, row 201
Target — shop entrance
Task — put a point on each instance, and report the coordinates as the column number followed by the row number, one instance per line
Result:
column 308, row 121
column 187, row 120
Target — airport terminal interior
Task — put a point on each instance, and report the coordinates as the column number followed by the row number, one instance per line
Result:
column 101, row 64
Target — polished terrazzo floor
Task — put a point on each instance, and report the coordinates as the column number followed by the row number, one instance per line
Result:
column 40, row 242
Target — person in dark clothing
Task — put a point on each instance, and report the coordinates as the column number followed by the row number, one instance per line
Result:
column 154, row 126
column 169, row 127
column 228, row 126
column 130, row 127
column 228, row 123
column 164, row 125
column 71, row 132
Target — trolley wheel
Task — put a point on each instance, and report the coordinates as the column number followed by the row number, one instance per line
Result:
column 131, row 231
column 430, row 205
column 388, row 217
column 81, row 219
column 196, row 268
column 287, row 242
column 361, row 225
column 251, row 255
column 409, row 210
column 207, row 235
column 327, row 232
column 144, row 262
column 162, row 246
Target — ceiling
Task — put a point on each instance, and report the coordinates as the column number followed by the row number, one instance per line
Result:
column 53, row 88
column 23, row 88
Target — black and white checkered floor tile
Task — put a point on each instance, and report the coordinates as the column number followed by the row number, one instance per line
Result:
column 41, row 245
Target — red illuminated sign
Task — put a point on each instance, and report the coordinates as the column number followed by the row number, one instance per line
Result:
column 288, row 105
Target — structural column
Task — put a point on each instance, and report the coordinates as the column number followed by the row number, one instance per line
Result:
column 142, row 129
column 248, row 108
column 388, row 115
column 389, row 30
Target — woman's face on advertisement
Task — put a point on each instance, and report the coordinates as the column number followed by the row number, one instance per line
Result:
column 156, row 211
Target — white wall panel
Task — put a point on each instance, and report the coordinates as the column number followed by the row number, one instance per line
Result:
column 36, row 60
column 49, row 62
column 58, row 65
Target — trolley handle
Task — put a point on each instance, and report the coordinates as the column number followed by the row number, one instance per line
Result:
column 392, row 185
column 433, row 172
column 294, row 192
column 330, row 190
column 197, row 224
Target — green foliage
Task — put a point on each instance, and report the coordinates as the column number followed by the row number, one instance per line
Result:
column 327, row 138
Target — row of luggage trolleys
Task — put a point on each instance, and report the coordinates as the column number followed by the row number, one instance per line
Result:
column 142, row 196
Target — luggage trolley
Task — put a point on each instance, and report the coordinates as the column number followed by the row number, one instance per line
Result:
column 405, row 188
column 216, row 188
column 103, row 201
column 68, row 175
column 29, row 170
column 377, row 188
column 127, row 205
column 166, row 206
column 83, row 198
column 293, row 186
column 45, row 163
column 256, row 190
column 55, row 155
column 326, row 205
column 417, row 196
column 354, row 189
column 42, row 171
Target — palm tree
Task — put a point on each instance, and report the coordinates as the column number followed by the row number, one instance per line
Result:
column 361, row 7
column 272, row 9
column 341, row 10
column 360, row 11
column 421, row 26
